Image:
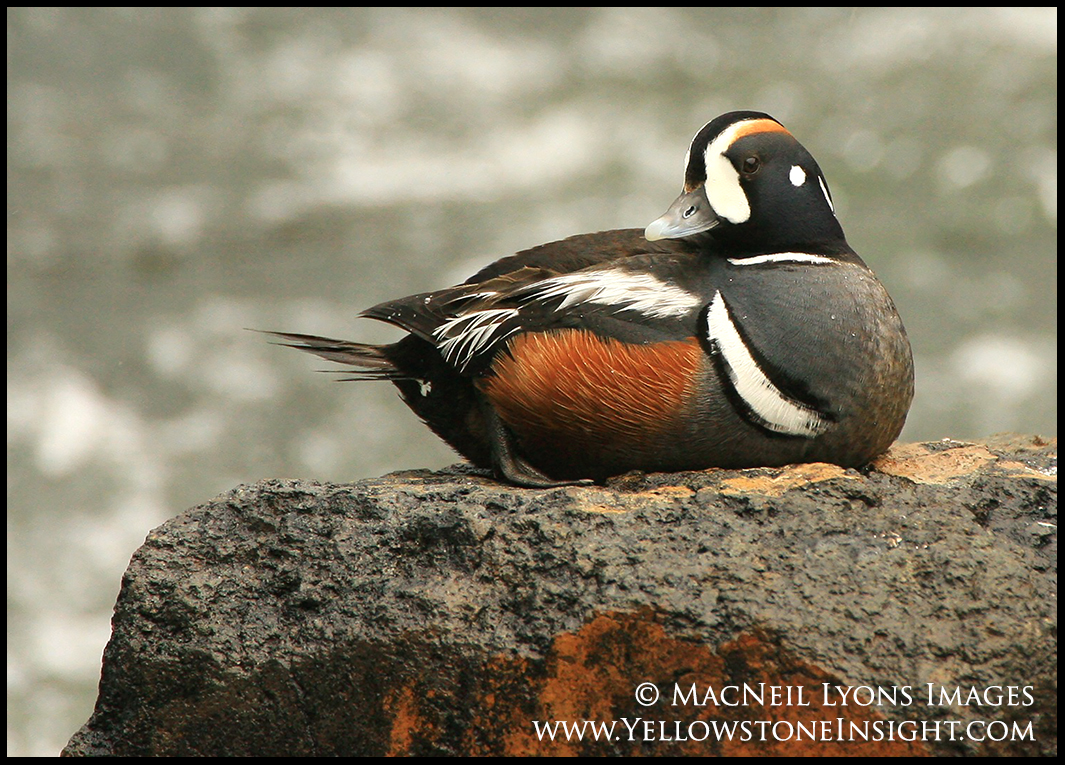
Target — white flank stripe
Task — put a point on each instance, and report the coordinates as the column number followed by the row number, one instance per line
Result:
column 777, row 412
column 623, row 290
column 781, row 257
column 460, row 339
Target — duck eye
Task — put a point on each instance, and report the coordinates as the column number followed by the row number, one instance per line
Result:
column 751, row 165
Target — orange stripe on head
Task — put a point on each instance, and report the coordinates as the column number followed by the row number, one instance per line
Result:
column 576, row 390
column 715, row 171
column 751, row 127
column 696, row 172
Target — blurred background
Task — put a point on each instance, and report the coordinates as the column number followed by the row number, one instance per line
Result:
column 175, row 176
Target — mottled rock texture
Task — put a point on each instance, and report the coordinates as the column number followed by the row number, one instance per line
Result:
column 443, row 612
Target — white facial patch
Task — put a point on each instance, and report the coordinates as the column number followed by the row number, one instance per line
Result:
column 797, row 176
column 770, row 406
column 624, row 290
column 723, row 189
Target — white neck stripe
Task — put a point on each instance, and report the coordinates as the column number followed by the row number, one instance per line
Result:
column 824, row 190
column 781, row 257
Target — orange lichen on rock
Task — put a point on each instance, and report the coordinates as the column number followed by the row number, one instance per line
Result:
column 778, row 481
column 592, row 675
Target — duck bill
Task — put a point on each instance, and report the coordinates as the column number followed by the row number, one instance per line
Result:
column 690, row 214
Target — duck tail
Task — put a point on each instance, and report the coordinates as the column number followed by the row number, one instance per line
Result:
column 372, row 362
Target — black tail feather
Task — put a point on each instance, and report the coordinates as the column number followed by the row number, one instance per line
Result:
column 372, row 360
column 445, row 400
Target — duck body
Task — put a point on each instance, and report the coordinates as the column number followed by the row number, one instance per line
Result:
column 738, row 330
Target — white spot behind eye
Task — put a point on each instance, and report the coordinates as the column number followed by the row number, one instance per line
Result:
column 797, row 176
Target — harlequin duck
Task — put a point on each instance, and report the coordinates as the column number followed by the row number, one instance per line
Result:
column 737, row 330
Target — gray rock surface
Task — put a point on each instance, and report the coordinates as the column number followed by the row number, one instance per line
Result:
column 443, row 612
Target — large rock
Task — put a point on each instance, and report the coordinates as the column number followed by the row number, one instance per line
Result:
column 445, row 613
